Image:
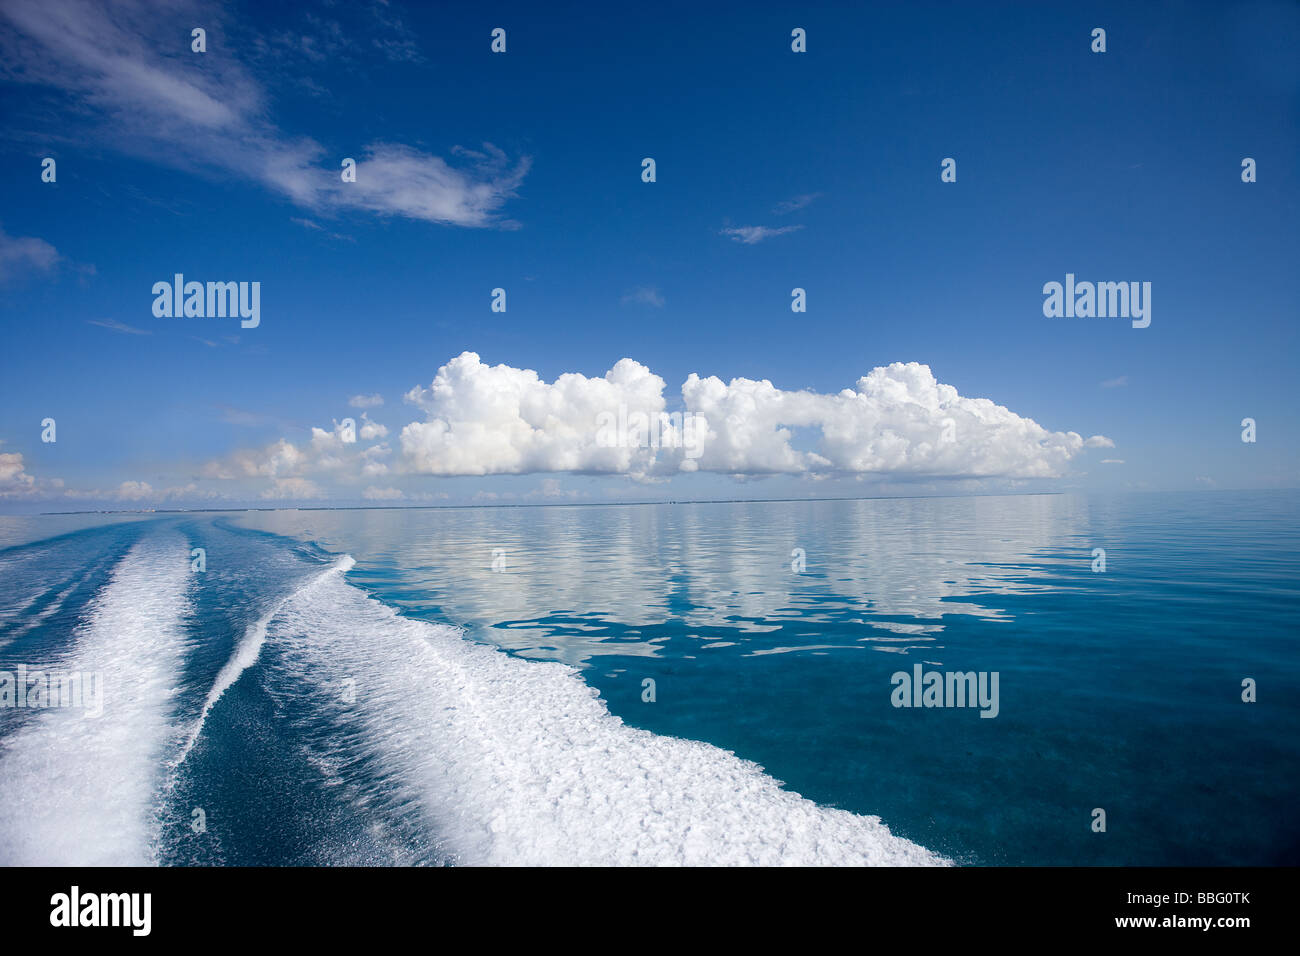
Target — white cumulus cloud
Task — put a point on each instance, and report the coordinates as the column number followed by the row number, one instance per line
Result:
column 14, row 480
column 897, row 421
column 484, row 420
column 371, row 430
column 134, row 491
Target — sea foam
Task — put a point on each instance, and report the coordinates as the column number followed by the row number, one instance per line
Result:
column 245, row 655
column 81, row 791
column 519, row 762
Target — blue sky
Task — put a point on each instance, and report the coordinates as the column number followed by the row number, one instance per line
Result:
column 224, row 165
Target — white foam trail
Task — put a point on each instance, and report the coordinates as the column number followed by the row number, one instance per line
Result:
column 81, row 791
column 244, row 656
column 519, row 762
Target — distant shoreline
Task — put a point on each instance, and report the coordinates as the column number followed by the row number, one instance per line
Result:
column 545, row 504
column 622, row 504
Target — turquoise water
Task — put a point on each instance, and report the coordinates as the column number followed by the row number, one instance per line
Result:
column 1119, row 690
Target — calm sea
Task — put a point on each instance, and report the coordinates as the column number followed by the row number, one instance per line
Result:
column 688, row 683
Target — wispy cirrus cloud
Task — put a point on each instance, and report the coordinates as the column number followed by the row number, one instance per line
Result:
column 794, row 205
column 116, row 326
column 644, row 295
column 317, row 227
column 396, row 180
column 135, row 84
column 751, row 235
column 362, row 27
column 23, row 255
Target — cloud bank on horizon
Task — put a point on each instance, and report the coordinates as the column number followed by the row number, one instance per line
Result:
column 897, row 422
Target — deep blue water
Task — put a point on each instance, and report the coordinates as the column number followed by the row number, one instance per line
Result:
column 311, row 724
